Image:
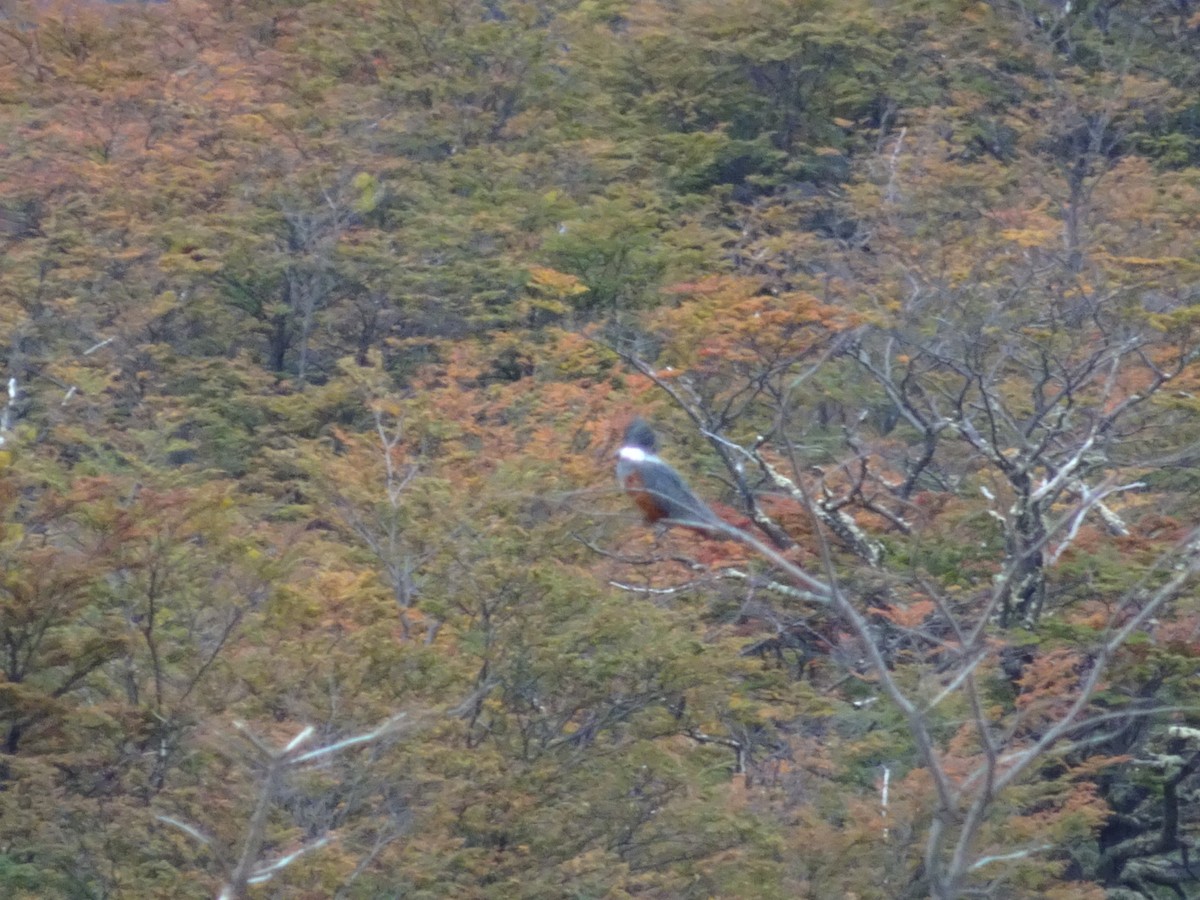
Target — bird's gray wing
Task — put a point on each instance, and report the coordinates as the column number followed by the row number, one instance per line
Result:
column 666, row 485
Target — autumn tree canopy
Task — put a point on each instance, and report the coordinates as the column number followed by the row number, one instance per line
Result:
column 319, row 327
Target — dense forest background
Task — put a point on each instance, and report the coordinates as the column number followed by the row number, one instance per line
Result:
column 320, row 322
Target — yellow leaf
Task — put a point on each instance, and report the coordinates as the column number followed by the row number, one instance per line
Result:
column 551, row 282
column 1027, row 237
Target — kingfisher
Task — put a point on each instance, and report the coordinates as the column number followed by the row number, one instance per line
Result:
column 658, row 490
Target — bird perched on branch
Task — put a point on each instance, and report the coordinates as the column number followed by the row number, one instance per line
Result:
column 658, row 490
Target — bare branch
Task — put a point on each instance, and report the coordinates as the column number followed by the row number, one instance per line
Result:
column 266, row 873
column 1007, row 857
column 187, row 829
column 388, row 727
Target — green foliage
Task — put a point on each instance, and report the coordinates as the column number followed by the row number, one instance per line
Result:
column 324, row 320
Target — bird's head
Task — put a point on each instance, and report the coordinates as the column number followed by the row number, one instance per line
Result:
column 641, row 436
